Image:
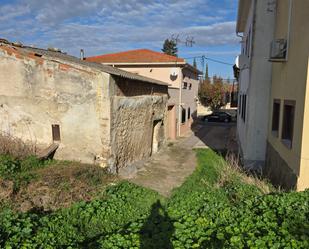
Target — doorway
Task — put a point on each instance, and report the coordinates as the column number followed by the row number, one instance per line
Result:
column 157, row 124
column 171, row 120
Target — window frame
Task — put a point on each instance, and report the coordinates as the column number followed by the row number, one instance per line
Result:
column 287, row 136
column 275, row 127
column 56, row 134
column 183, row 116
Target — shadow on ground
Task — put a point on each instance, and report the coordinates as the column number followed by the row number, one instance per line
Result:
column 157, row 230
column 220, row 137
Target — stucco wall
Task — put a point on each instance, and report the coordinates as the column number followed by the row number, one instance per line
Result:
column 255, row 82
column 161, row 73
column 189, row 96
column 36, row 93
column 174, row 100
column 132, row 127
column 289, row 82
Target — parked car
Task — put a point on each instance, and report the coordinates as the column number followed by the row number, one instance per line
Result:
column 218, row 117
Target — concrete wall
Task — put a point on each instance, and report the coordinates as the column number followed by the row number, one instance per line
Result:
column 255, row 82
column 36, row 93
column 138, row 127
column 289, row 82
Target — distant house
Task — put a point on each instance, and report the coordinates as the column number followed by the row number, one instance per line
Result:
column 273, row 120
column 96, row 113
column 181, row 77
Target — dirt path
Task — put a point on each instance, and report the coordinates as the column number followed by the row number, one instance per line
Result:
column 168, row 169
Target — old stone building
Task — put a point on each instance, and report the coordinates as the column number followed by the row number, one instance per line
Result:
column 96, row 113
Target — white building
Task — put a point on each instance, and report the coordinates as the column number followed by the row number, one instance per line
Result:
column 255, row 24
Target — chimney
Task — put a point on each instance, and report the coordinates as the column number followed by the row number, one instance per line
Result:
column 82, row 54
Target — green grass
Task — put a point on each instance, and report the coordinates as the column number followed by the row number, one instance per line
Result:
column 20, row 171
column 216, row 207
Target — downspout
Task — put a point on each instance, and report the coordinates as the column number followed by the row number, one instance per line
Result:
column 289, row 29
column 179, row 106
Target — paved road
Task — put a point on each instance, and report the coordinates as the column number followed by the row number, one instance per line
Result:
column 168, row 169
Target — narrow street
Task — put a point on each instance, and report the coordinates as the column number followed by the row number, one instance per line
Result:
column 168, row 169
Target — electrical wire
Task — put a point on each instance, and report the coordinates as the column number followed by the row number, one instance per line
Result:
column 210, row 59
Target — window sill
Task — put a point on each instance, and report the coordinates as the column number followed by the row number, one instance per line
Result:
column 287, row 143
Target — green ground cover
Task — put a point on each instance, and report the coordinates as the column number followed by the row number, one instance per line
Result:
column 216, row 207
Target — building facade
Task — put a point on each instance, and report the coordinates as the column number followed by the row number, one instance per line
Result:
column 255, row 26
column 96, row 113
column 273, row 115
column 288, row 130
column 183, row 80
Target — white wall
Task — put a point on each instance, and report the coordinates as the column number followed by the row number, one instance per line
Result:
column 255, row 82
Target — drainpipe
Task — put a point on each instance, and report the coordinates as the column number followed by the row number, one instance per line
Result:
column 289, row 28
column 179, row 106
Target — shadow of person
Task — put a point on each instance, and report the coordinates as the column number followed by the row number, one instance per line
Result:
column 158, row 229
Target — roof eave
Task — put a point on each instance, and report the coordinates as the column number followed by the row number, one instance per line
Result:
column 242, row 15
column 142, row 63
column 193, row 69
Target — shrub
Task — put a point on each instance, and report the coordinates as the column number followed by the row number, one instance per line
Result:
column 19, row 170
column 9, row 166
column 15, row 147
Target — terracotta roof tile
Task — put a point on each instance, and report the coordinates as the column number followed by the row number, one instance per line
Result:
column 135, row 56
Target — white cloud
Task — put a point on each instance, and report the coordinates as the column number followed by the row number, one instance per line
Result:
column 101, row 26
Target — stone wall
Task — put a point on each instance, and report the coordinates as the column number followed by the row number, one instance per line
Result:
column 133, row 131
column 277, row 170
column 36, row 93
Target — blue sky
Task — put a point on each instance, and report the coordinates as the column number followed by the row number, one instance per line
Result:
column 106, row 26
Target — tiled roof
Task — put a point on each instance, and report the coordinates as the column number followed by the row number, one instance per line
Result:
column 64, row 58
column 136, row 56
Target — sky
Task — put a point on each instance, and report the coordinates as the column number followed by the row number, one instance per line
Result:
column 107, row 26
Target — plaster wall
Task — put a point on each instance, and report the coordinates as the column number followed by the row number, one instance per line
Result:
column 290, row 82
column 34, row 94
column 162, row 73
column 255, row 82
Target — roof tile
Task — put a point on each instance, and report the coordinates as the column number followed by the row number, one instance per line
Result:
column 135, row 56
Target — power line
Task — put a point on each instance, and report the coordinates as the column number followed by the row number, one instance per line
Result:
column 210, row 59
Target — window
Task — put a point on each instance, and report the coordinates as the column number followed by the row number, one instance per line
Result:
column 183, row 115
column 240, row 103
column 189, row 113
column 190, row 86
column 243, row 107
column 288, row 122
column 276, row 117
column 185, row 85
column 56, row 132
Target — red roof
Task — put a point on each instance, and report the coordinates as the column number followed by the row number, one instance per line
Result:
column 135, row 56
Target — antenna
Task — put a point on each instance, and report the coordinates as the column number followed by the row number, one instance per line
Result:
column 188, row 43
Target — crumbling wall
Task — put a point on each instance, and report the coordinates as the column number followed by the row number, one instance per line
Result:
column 132, row 127
column 36, row 93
